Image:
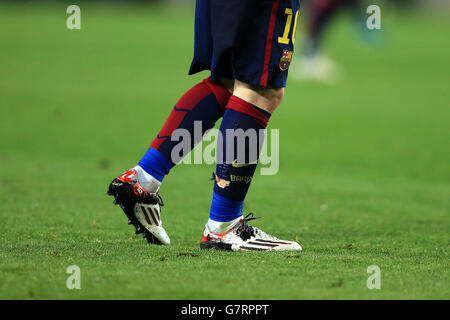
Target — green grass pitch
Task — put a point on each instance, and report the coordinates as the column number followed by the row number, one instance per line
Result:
column 363, row 180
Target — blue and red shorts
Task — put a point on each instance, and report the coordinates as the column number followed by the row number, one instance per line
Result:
column 248, row 40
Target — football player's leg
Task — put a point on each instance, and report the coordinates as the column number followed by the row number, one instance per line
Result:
column 249, row 108
column 259, row 58
column 201, row 106
column 136, row 191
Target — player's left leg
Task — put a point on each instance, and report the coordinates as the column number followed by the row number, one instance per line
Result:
column 253, row 40
column 248, row 110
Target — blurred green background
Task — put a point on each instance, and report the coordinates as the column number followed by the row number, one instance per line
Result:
column 364, row 162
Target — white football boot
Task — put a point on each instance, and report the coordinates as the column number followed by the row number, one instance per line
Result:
column 238, row 235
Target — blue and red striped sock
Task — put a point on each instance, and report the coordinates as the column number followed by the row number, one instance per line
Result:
column 232, row 178
column 204, row 102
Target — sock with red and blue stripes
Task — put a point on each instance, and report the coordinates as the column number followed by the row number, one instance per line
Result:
column 206, row 103
column 232, row 178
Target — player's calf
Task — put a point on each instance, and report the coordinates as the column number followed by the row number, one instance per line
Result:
column 266, row 98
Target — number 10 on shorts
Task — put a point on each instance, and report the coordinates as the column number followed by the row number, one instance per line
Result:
column 285, row 38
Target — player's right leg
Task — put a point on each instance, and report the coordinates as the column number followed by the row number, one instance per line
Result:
column 136, row 190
